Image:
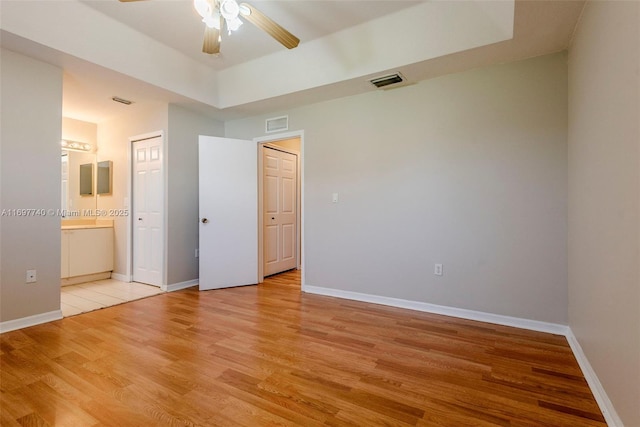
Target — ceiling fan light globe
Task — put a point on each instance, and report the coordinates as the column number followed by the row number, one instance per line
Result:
column 229, row 9
column 211, row 23
column 233, row 24
column 244, row 10
column 203, row 8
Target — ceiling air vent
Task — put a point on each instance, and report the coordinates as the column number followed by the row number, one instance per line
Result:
column 122, row 100
column 277, row 124
column 384, row 81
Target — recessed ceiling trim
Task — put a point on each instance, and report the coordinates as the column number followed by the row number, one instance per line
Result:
column 316, row 63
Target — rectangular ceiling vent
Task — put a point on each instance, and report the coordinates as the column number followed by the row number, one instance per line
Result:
column 277, row 124
column 385, row 81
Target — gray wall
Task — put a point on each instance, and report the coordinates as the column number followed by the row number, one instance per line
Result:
column 182, row 150
column 30, row 132
column 181, row 127
column 114, row 145
column 468, row 170
column 604, row 193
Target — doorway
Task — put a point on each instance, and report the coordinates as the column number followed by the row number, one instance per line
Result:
column 230, row 209
column 280, row 194
column 147, row 220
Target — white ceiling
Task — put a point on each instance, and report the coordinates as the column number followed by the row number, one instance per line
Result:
column 175, row 23
column 150, row 51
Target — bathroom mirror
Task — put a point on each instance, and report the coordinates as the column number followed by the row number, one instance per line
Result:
column 73, row 204
column 86, row 179
column 103, row 186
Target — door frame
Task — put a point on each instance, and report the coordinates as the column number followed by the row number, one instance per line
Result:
column 129, row 204
column 266, row 140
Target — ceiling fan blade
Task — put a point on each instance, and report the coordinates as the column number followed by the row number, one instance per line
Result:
column 211, row 42
column 263, row 22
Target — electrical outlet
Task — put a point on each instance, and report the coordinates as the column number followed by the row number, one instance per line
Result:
column 31, row 276
column 437, row 270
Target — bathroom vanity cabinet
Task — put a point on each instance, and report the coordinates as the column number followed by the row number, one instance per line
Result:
column 87, row 253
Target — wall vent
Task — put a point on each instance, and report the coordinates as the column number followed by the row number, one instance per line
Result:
column 384, row 81
column 276, row 124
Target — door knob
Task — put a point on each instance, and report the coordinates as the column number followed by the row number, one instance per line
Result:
column 205, row 220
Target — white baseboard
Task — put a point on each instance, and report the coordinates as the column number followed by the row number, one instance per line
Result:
column 534, row 325
column 121, row 277
column 608, row 411
column 69, row 281
column 25, row 322
column 177, row 286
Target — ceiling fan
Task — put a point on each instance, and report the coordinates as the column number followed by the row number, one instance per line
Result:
column 216, row 14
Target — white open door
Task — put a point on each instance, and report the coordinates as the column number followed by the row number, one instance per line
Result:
column 228, row 198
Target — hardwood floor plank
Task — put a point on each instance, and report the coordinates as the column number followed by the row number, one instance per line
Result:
column 251, row 408
column 272, row 355
column 573, row 411
column 12, row 408
column 32, row 420
column 53, row 408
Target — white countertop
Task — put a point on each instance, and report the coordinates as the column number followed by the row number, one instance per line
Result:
column 81, row 227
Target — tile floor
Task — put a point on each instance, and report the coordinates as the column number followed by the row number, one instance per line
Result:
column 76, row 299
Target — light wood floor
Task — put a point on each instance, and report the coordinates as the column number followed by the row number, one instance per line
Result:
column 270, row 355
